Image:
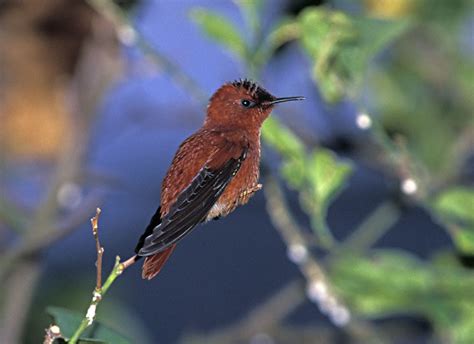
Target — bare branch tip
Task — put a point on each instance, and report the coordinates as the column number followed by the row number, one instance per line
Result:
column 95, row 221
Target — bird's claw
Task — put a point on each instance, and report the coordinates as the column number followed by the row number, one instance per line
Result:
column 251, row 190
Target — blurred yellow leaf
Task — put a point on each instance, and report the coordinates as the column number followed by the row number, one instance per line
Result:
column 390, row 8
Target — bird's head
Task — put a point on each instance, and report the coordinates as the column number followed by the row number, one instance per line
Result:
column 243, row 104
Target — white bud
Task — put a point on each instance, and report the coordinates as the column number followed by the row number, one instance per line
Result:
column 297, row 253
column 95, row 295
column 55, row 330
column 127, row 35
column 317, row 291
column 340, row 316
column 409, row 186
column 363, row 121
column 327, row 304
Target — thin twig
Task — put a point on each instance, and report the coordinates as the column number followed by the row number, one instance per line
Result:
column 129, row 261
column 99, row 248
column 100, row 290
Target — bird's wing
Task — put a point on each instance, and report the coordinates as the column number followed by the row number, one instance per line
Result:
column 193, row 203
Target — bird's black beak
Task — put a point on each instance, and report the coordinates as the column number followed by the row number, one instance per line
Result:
column 284, row 99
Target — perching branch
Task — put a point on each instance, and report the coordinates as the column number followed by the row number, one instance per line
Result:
column 99, row 290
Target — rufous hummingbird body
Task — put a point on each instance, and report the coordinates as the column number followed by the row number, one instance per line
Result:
column 214, row 170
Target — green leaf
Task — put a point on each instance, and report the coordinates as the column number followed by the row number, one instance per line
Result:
column 293, row 170
column 317, row 177
column 290, row 148
column 286, row 30
column 90, row 340
column 395, row 282
column 221, row 30
column 251, row 13
column 456, row 203
column 381, row 285
column 322, row 32
column 464, row 240
column 327, row 175
column 341, row 47
column 68, row 321
column 282, row 139
column 253, row 6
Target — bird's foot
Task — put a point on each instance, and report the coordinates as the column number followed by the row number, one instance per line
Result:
column 250, row 191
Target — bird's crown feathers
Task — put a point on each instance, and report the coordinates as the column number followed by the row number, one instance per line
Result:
column 254, row 90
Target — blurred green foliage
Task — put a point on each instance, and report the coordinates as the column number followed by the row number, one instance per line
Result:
column 317, row 175
column 457, row 204
column 420, row 95
column 455, row 207
column 341, row 47
column 221, row 30
column 394, row 282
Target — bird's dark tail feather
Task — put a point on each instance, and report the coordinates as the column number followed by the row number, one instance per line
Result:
column 153, row 264
column 155, row 221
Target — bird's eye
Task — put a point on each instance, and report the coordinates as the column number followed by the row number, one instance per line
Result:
column 247, row 103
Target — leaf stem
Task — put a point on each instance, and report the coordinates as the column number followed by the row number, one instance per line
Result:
column 322, row 230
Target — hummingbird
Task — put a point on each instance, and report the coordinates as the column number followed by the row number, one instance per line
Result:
column 214, row 171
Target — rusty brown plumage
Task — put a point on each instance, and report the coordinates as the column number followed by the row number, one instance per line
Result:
column 215, row 170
